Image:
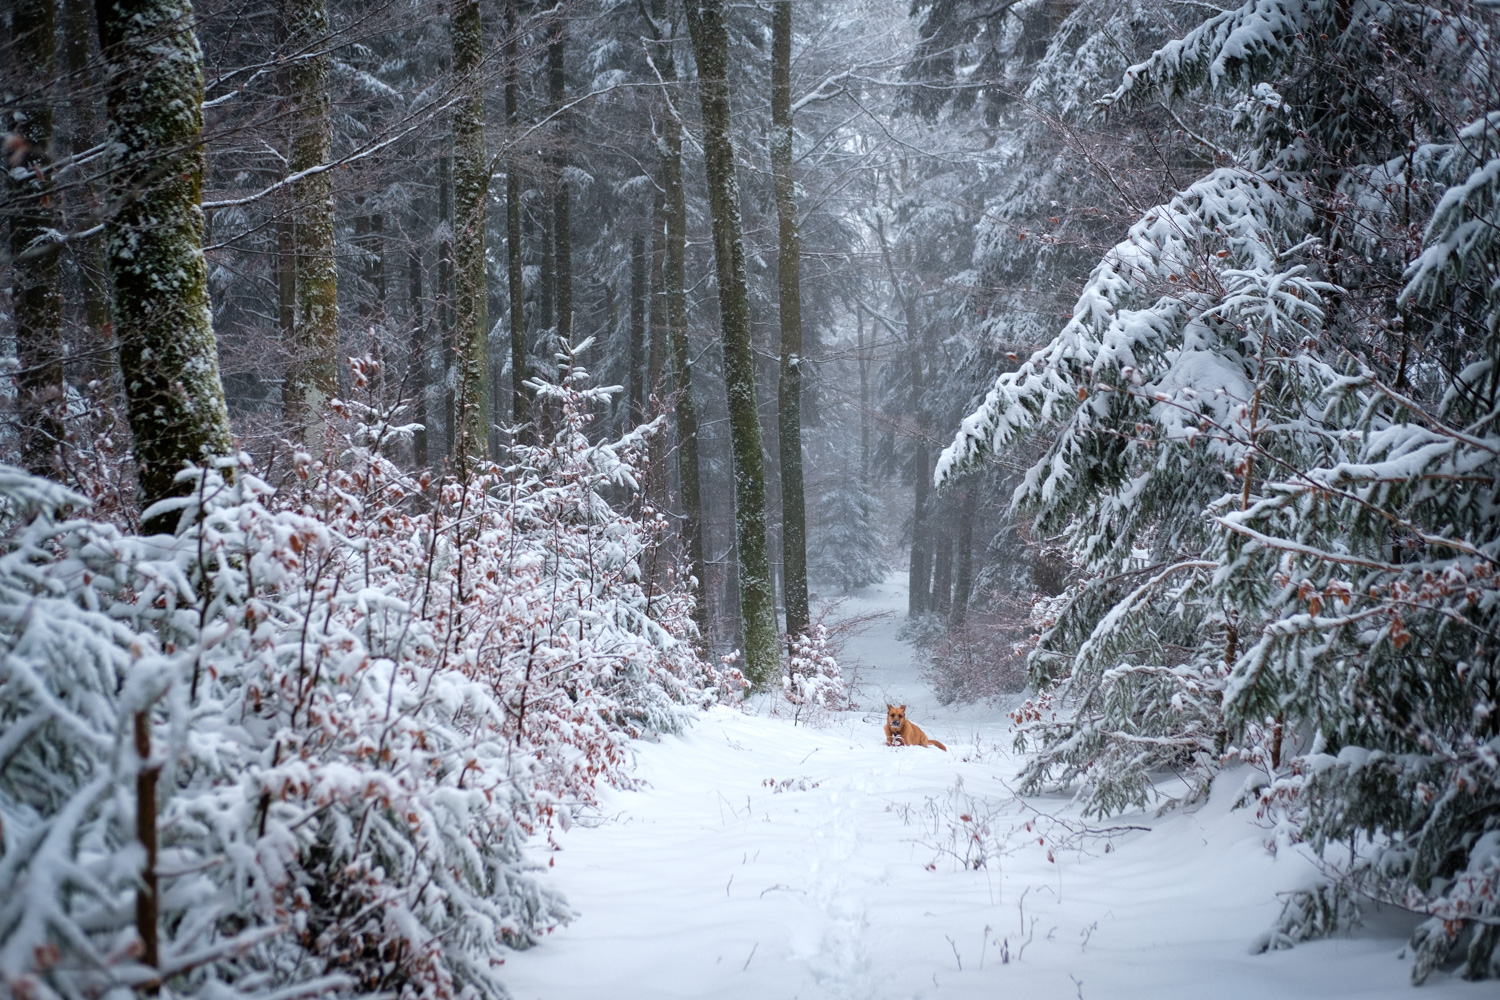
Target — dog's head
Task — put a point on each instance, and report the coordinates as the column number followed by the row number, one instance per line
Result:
column 895, row 717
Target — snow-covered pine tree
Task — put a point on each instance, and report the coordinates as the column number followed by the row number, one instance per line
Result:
column 846, row 546
column 1381, row 639
column 1346, row 571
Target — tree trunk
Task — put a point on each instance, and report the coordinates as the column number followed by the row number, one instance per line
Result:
column 515, row 273
column 416, row 377
column 445, row 302
column 656, row 351
column 637, row 329
column 942, row 570
column 147, row 896
column 562, row 222
column 313, row 376
column 168, row 357
column 789, row 287
column 864, row 401
column 471, row 184
column 88, row 253
column 685, row 410
column 35, row 270
column 963, row 584
column 921, row 542
column 757, row 602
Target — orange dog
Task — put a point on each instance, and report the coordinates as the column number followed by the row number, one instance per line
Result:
column 902, row 732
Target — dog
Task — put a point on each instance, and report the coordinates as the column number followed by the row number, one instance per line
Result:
column 902, row 732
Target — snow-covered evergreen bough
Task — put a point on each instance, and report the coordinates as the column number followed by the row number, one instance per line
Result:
column 1278, row 466
column 354, row 701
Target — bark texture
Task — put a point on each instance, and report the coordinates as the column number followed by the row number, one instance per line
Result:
column 416, row 376
column 88, row 252
column 34, row 252
column 757, row 599
column 154, row 247
column 685, row 411
column 656, row 347
column 471, row 181
column 515, row 274
column 562, row 218
column 789, row 289
column 638, row 295
column 312, row 378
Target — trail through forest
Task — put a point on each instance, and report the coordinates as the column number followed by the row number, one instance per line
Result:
column 758, row 858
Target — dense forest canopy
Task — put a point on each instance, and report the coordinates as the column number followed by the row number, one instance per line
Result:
column 410, row 404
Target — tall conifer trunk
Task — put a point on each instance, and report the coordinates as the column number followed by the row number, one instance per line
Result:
column 444, row 303
column 637, row 329
column 154, row 246
column 685, row 411
column 789, row 287
column 313, row 376
column 416, row 377
column 757, row 601
column 35, row 267
column 471, row 180
column 514, row 271
column 88, row 252
column 656, row 472
column 562, row 219
column 963, row 580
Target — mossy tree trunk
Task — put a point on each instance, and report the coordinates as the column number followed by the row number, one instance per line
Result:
column 312, row 377
column 35, row 271
column 471, row 183
column 684, row 409
column 154, row 244
column 757, row 601
column 789, row 288
column 515, row 272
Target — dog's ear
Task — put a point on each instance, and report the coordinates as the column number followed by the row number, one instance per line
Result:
column 889, row 706
column 903, row 708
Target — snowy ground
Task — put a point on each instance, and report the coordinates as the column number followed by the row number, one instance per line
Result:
column 762, row 859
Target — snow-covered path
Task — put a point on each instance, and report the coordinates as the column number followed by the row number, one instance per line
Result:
column 761, row 859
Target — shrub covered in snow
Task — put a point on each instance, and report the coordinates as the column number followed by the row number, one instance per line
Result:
column 309, row 734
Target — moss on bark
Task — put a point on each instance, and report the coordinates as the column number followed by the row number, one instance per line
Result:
column 154, row 245
column 757, row 599
column 471, row 185
column 313, row 376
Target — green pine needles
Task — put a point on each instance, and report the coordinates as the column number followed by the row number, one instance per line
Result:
column 1274, row 459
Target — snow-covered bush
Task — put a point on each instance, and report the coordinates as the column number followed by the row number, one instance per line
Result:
column 983, row 657
column 342, row 709
column 811, row 679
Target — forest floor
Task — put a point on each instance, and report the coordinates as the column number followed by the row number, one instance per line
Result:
column 762, row 858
